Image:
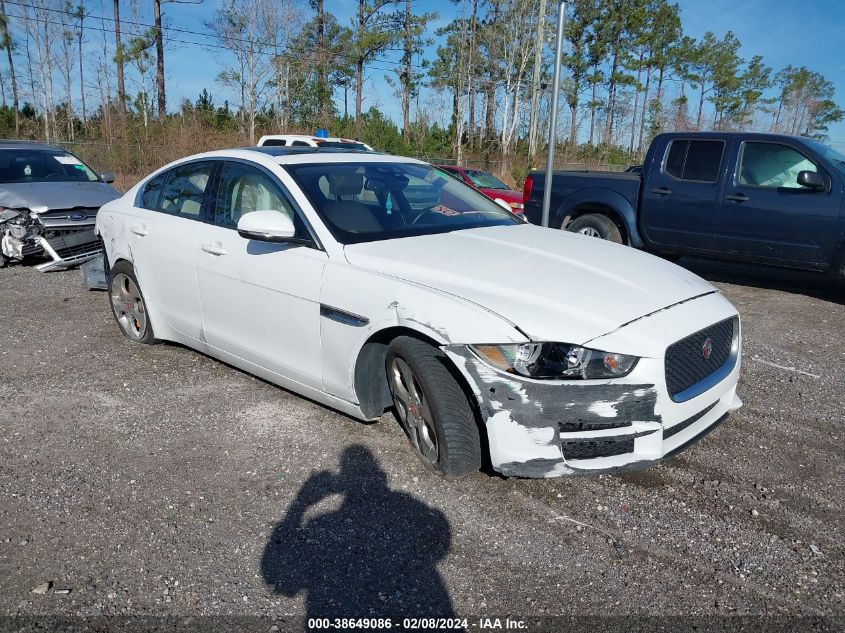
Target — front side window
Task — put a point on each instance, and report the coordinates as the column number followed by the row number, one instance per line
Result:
column 694, row 160
column 185, row 187
column 363, row 202
column 42, row 165
column 772, row 165
column 244, row 189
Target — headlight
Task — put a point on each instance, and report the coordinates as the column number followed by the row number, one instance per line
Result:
column 555, row 360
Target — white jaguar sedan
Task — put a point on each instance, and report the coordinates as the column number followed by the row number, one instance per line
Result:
column 368, row 282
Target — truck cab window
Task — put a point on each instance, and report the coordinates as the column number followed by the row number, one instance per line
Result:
column 772, row 165
column 694, row 160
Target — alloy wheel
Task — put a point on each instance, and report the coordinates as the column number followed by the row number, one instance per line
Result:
column 414, row 410
column 128, row 306
column 590, row 232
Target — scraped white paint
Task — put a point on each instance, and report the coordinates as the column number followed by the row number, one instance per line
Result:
column 604, row 409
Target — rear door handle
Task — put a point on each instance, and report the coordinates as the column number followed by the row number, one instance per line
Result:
column 740, row 197
column 140, row 230
column 662, row 191
column 214, row 249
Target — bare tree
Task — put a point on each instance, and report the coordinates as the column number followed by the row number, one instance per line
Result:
column 247, row 30
column 67, row 38
column 42, row 33
column 287, row 16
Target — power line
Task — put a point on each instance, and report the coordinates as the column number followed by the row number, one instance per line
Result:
column 92, row 16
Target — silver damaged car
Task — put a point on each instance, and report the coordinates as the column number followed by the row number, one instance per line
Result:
column 48, row 205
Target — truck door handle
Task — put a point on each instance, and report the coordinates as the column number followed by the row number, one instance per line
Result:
column 140, row 230
column 662, row 191
column 213, row 249
column 740, row 197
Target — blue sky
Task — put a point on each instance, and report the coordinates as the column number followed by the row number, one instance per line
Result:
column 784, row 32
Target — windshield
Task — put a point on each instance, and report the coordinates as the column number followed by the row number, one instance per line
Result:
column 485, row 180
column 42, row 165
column 365, row 202
column 837, row 158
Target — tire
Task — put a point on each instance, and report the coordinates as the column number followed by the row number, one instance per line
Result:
column 128, row 306
column 435, row 412
column 596, row 225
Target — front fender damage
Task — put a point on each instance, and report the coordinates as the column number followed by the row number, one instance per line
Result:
column 542, row 428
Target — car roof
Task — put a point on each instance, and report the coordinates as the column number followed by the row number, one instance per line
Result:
column 705, row 134
column 301, row 155
column 13, row 144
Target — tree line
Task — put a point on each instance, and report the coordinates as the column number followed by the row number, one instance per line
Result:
column 478, row 85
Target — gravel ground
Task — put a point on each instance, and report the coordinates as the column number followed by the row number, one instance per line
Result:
column 155, row 481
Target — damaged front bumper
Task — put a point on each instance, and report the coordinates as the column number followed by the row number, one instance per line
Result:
column 67, row 238
column 550, row 428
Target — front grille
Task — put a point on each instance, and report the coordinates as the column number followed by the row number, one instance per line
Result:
column 686, row 364
column 576, row 426
column 589, row 449
column 73, row 244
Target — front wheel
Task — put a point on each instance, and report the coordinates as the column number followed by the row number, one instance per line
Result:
column 433, row 409
column 596, row 225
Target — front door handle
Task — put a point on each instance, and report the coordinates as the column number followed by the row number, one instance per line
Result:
column 740, row 197
column 214, row 249
column 140, row 230
column 662, row 191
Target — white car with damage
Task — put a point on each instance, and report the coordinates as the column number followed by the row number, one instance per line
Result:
column 369, row 282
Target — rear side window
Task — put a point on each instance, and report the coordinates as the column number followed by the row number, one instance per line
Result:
column 694, row 160
column 185, row 187
column 152, row 192
column 274, row 142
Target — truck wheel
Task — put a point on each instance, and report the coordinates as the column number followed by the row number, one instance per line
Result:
column 432, row 407
column 596, row 225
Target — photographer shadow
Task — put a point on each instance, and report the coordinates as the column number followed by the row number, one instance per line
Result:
column 373, row 556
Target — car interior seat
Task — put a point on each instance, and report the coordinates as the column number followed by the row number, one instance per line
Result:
column 349, row 215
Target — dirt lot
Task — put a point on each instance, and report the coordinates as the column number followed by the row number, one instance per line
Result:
column 150, row 481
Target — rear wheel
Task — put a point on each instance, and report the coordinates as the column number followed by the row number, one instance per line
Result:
column 596, row 225
column 127, row 304
column 432, row 408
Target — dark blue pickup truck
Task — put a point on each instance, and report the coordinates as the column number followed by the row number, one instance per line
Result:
column 763, row 198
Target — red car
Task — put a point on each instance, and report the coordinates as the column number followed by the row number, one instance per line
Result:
column 487, row 184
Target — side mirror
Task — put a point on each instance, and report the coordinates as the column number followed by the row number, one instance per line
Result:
column 503, row 204
column 266, row 226
column 811, row 180
column 108, row 177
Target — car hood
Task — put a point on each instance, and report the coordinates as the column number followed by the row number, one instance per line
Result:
column 46, row 196
column 553, row 285
column 505, row 194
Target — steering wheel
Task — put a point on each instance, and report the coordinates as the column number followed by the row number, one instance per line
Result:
column 51, row 176
column 424, row 213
